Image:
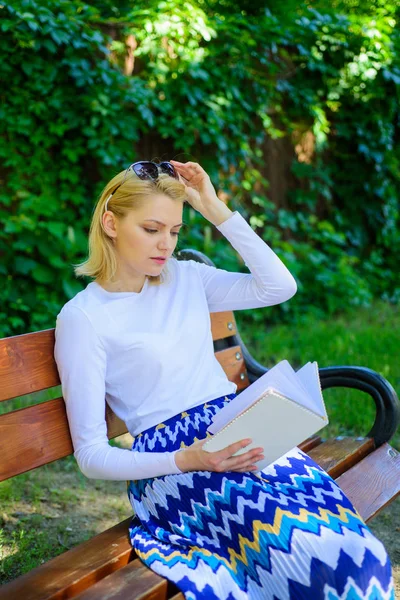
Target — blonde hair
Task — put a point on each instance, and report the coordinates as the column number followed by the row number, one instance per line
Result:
column 133, row 194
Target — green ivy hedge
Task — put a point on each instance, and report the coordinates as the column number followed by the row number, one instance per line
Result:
column 212, row 82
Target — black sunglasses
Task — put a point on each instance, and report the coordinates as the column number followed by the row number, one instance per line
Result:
column 147, row 169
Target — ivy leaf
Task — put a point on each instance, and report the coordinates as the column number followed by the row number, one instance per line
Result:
column 43, row 274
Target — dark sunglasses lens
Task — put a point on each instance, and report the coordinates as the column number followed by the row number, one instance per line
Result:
column 166, row 167
column 146, row 170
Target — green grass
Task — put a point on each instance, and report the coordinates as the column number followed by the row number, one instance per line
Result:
column 48, row 510
column 51, row 509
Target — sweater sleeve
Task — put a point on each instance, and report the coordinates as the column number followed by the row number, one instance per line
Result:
column 81, row 362
column 269, row 281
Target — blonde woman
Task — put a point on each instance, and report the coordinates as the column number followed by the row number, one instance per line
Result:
column 139, row 337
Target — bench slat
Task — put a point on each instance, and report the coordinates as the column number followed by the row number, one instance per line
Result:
column 27, row 362
column 337, row 455
column 373, row 482
column 310, row 443
column 39, row 434
column 232, row 361
column 134, row 581
column 77, row 569
column 223, row 325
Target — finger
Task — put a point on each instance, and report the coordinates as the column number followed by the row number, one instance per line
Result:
column 243, row 468
column 232, row 448
column 251, row 468
column 180, row 168
column 189, row 167
column 200, row 443
column 189, row 175
column 182, row 179
column 236, row 462
column 181, row 165
column 189, row 162
column 248, row 458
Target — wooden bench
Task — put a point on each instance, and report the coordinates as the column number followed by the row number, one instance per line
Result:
column 367, row 468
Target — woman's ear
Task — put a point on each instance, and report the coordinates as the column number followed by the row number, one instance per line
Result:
column 109, row 227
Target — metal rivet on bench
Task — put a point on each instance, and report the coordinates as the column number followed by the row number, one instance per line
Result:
column 242, row 375
column 238, row 355
column 230, row 325
column 392, row 452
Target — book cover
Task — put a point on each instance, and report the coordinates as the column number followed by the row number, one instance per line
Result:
column 278, row 411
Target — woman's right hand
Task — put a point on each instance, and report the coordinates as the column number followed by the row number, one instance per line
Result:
column 194, row 458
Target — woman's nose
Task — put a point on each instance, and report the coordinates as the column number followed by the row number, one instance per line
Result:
column 165, row 242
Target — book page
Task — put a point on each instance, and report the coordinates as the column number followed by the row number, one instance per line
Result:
column 284, row 380
column 281, row 377
column 309, row 376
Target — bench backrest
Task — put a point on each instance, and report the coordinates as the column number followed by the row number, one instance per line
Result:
column 36, row 435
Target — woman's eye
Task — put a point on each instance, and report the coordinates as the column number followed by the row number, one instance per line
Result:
column 156, row 230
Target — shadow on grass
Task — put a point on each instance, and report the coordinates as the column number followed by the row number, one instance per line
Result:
column 51, row 509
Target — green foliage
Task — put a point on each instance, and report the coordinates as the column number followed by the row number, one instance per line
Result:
column 213, row 81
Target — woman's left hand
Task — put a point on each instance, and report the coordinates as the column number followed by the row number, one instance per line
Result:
column 200, row 191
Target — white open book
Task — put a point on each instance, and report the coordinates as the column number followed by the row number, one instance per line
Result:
column 278, row 411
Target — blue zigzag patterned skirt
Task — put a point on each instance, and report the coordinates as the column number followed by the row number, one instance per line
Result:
column 285, row 533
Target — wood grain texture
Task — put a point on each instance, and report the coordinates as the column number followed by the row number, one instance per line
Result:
column 223, row 325
column 338, row 455
column 373, row 482
column 232, row 361
column 310, row 443
column 27, row 364
column 39, row 434
column 77, row 569
column 134, row 581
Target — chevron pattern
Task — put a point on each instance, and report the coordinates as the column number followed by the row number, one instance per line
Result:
column 285, row 533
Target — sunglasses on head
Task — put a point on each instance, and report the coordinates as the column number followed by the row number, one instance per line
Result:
column 146, row 169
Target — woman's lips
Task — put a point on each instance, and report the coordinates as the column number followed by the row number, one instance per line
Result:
column 160, row 261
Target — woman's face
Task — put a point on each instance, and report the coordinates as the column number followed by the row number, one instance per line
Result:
column 145, row 234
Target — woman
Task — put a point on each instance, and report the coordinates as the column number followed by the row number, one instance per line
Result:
column 139, row 337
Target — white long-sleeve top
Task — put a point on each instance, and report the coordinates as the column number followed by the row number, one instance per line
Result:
column 150, row 354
